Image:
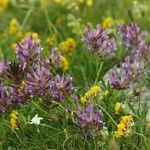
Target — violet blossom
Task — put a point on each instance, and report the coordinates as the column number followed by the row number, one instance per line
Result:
column 61, row 87
column 99, row 42
column 5, row 101
column 89, row 119
column 39, row 81
column 28, row 52
column 122, row 77
column 132, row 36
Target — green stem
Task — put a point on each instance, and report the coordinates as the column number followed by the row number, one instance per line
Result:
column 141, row 135
column 105, row 111
column 28, row 14
column 98, row 73
column 39, row 108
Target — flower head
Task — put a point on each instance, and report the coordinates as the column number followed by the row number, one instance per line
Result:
column 132, row 36
column 89, row 119
column 13, row 27
column 36, row 120
column 61, row 87
column 4, row 4
column 99, row 42
column 4, row 68
column 64, row 63
column 124, row 126
column 14, row 120
column 53, row 60
column 28, row 52
column 107, row 22
column 117, row 108
column 39, row 81
column 5, row 100
column 67, row 46
column 93, row 91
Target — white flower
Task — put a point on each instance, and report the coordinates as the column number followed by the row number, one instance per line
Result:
column 36, row 120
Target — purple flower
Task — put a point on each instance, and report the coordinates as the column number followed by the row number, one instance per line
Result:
column 53, row 60
column 28, row 52
column 122, row 77
column 89, row 119
column 99, row 42
column 5, row 101
column 39, row 81
column 145, row 52
column 21, row 94
column 132, row 36
column 4, row 68
column 61, row 87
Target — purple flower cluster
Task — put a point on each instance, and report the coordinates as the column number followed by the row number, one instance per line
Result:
column 122, row 77
column 39, row 81
column 133, row 39
column 89, row 119
column 31, row 77
column 131, row 35
column 5, row 98
column 52, row 61
column 28, row 52
column 61, row 86
column 4, row 68
column 99, row 42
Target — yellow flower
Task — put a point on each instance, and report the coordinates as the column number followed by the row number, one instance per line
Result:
column 107, row 22
column 51, row 40
column 59, row 1
column 13, row 46
column 67, row 46
column 13, row 26
column 64, row 63
column 14, row 120
column 89, row 2
column 4, row 4
column 83, row 100
column 42, row 3
column 95, row 89
column 33, row 34
column 118, row 134
column 117, row 108
column 121, row 126
column 127, row 120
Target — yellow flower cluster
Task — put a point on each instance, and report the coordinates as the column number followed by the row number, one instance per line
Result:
column 51, row 40
column 14, row 120
column 117, row 108
column 124, row 126
column 42, row 3
column 4, row 4
column 34, row 35
column 88, row 2
column 67, row 46
column 59, row 1
column 64, row 63
column 95, row 89
column 13, row 26
column 107, row 22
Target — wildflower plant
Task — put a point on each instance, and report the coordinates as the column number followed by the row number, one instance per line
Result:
column 33, row 78
column 46, row 97
column 99, row 42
